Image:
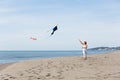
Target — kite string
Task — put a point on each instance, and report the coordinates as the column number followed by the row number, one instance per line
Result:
column 53, row 30
column 42, row 36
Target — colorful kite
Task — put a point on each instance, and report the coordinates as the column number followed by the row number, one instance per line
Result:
column 33, row 38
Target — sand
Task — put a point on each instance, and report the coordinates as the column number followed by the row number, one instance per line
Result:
column 96, row 67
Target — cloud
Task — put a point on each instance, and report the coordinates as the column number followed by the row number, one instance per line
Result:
column 6, row 10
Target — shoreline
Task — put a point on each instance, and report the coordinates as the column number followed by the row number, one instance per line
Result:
column 68, row 54
column 3, row 66
column 97, row 67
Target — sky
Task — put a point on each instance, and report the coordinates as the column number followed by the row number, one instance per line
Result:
column 95, row 21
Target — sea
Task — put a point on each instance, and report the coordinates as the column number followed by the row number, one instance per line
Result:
column 16, row 56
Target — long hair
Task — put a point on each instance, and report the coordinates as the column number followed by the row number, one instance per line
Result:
column 85, row 42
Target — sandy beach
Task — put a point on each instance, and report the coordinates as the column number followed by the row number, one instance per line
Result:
column 96, row 67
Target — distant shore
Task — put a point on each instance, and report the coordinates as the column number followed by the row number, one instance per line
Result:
column 96, row 67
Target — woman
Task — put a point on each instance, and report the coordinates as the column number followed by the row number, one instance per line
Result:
column 84, row 48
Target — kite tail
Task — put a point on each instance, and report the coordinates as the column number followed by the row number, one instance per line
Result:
column 52, row 33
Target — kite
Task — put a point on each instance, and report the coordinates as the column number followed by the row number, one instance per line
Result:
column 33, row 38
column 54, row 29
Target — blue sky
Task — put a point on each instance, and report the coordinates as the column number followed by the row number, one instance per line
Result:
column 96, row 21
